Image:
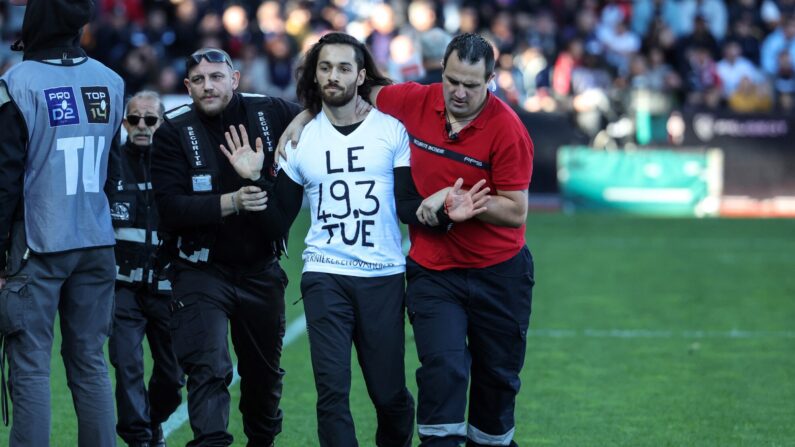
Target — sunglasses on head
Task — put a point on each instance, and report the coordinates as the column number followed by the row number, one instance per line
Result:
column 149, row 120
column 214, row 56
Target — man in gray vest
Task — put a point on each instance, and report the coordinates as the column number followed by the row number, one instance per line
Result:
column 60, row 112
column 142, row 296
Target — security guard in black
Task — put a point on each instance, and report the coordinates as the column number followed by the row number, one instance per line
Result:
column 224, row 252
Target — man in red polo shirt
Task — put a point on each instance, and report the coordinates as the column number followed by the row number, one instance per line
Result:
column 469, row 283
column 469, row 288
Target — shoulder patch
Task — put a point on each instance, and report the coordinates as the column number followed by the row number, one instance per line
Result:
column 181, row 110
column 4, row 95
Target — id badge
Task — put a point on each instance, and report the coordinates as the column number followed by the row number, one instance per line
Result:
column 202, row 183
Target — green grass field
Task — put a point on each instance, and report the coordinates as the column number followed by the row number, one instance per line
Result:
column 645, row 332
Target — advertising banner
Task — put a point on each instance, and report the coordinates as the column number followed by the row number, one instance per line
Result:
column 649, row 182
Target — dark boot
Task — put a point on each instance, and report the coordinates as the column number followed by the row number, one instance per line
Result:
column 158, row 440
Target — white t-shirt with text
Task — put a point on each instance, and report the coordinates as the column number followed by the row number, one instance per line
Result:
column 349, row 182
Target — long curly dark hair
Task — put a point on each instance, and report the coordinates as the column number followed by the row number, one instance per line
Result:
column 307, row 90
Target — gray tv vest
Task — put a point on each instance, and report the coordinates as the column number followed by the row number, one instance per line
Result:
column 72, row 111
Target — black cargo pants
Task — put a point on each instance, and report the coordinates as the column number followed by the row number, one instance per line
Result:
column 207, row 300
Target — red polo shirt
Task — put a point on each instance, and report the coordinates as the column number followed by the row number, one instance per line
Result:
column 495, row 146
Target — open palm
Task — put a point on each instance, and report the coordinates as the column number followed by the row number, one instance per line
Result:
column 246, row 161
column 462, row 205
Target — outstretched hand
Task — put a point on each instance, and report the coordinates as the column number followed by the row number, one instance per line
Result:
column 462, row 205
column 292, row 133
column 246, row 161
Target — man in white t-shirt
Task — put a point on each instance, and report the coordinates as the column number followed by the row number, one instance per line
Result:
column 349, row 165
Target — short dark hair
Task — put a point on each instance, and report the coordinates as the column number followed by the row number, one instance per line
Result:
column 471, row 48
column 307, row 90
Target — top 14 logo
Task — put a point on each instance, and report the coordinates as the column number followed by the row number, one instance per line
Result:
column 97, row 103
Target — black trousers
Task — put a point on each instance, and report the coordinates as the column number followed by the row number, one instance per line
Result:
column 368, row 312
column 138, row 314
column 470, row 328
column 207, row 300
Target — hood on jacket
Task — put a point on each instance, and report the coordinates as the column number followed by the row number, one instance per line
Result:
column 54, row 24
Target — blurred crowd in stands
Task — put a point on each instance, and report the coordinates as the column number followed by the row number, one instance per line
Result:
column 597, row 60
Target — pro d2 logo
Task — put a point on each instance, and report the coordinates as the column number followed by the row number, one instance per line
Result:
column 61, row 106
column 97, row 103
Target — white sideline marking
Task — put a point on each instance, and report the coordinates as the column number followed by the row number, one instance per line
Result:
column 179, row 417
column 647, row 333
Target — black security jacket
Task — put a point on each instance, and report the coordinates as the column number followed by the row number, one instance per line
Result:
column 238, row 239
column 132, row 206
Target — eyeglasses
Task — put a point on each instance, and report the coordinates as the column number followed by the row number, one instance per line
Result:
column 149, row 120
column 214, row 56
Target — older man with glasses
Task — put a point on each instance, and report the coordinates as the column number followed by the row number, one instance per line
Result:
column 224, row 251
column 142, row 295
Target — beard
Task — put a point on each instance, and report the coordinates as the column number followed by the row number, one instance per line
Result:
column 338, row 98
